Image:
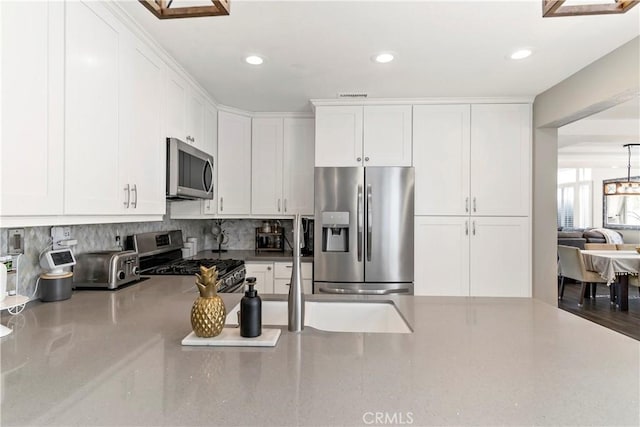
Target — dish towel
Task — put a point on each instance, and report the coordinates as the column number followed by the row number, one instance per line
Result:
column 610, row 236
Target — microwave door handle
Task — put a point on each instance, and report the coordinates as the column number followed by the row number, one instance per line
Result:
column 369, row 222
column 204, row 174
column 360, row 220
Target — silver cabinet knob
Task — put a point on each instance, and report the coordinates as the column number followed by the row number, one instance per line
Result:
column 359, row 159
column 366, row 159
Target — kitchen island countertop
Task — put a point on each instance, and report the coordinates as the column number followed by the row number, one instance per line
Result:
column 114, row 358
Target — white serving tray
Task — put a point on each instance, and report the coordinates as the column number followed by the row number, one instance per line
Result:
column 230, row 337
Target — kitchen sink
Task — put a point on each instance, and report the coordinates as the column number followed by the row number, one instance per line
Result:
column 335, row 316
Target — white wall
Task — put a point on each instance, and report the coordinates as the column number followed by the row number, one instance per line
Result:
column 610, row 80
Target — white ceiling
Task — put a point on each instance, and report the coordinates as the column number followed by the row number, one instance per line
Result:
column 597, row 141
column 315, row 49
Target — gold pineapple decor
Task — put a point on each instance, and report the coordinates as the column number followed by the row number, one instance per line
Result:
column 208, row 312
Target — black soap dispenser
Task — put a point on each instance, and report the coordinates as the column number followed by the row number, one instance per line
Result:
column 251, row 312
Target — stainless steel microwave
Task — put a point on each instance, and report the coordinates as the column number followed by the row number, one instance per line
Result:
column 189, row 171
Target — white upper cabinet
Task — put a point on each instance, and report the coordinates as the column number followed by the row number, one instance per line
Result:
column 234, row 164
column 441, row 150
column 387, row 135
column 114, row 148
column 339, row 136
column 500, row 159
column 472, row 160
column 142, row 131
column 195, row 120
column 377, row 135
column 175, row 115
column 266, row 166
column 297, row 185
column 185, row 111
column 282, row 166
column 32, row 55
column 93, row 72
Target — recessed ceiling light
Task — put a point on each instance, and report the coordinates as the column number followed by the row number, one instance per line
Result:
column 254, row 60
column 521, row 54
column 383, row 58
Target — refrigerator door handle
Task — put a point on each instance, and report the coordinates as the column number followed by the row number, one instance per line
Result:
column 360, row 221
column 343, row 291
column 369, row 222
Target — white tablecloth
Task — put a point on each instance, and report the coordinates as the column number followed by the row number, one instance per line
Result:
column 611, row 263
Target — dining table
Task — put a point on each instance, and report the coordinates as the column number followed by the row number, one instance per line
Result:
column 614, row 266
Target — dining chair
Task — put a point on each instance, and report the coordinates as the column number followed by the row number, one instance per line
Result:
column 572, row 267
column 600, row 246
column 626, row 247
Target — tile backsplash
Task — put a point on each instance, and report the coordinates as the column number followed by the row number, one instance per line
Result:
column 94, row 237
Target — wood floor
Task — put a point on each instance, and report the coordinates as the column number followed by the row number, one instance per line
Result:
column 600, row 311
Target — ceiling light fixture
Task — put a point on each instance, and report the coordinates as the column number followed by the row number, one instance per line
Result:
column 162, row 9
column 521, row 54
column 254, row 60
column 552, row 8
column 621, row 187
column 383, row 58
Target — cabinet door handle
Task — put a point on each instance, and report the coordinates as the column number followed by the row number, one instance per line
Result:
column 466, row 228
column 474, row 204
column 127, row 196
column 285, row 205
column 288, row 266
column 268, row 268
column 366, row 159
column 358, row 159
column 474, row 228
column 134, row 190
column 278, row 205
column 466, row 204
column 221, row 204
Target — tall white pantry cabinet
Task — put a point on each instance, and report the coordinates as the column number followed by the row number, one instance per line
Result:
column 472, row 206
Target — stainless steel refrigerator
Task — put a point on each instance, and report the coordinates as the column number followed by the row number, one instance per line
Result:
column 363, row 241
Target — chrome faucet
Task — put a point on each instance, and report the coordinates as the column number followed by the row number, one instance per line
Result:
column 296, row 294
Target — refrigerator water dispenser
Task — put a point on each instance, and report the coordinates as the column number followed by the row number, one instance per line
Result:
column 335, row 231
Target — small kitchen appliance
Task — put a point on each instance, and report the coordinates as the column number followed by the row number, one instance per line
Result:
column 56, row 284
column 106, row 269
column 161, row 254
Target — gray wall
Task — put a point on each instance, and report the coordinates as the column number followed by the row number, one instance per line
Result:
column 610, row 80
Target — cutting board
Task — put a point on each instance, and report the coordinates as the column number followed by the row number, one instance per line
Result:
column 230, row 337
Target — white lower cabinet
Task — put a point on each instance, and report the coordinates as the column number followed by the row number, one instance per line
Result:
column 263, row 272
column 274, row 278
column 282, row 277
column 472, row 256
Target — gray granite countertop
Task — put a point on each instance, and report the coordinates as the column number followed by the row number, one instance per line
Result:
column 113, row 358
column 252, row 256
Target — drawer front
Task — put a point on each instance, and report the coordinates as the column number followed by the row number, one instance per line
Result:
column 282, row 270
column 281, row 286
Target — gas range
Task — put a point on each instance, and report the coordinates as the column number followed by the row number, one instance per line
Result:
column 161, row 254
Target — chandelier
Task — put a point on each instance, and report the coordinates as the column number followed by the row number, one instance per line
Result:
column 552, row 8
column 190, row 9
